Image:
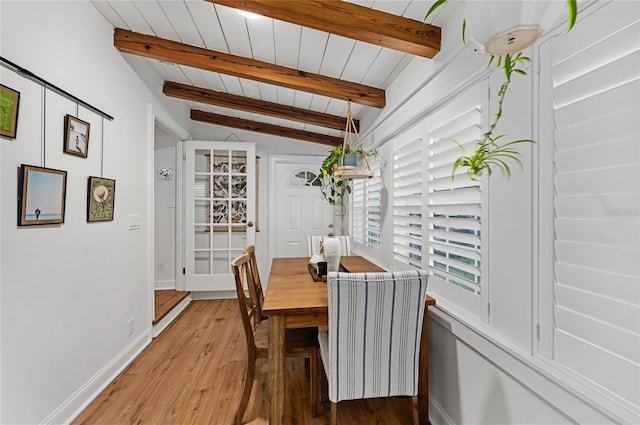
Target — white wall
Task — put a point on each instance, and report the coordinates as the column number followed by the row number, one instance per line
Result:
column 164, row 276
column 486, row 372
column 68, row 291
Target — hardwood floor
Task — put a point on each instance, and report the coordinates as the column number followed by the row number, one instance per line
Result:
column 165, row 300
column 192, row 374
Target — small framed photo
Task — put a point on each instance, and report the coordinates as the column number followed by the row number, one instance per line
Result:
column 76, row 136
column 9, row 101
column 101, row 195
column 41, row 198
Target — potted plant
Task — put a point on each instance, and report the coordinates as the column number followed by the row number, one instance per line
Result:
column 334, row 189
column 506, row 46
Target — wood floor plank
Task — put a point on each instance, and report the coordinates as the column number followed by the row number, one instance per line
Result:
column 193, row 374
column 164, row 301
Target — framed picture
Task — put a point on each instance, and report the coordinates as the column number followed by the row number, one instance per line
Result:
column 101, row 197
column 76, row 136
column 9, row 101
column 41, row 198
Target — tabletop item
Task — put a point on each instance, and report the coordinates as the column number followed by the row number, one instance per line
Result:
column 332, row 250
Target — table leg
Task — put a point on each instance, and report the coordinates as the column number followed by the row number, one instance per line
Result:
column 423, row 379
column 277, row 385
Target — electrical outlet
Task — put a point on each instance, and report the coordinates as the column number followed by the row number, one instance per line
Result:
column 160, row 266
column 131, row 325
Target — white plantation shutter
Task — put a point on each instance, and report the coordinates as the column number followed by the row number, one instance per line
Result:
column 365, row 207
column 455, row 213
column 590, row 305
column 373, row 187
column 407, row 200
column 357, row 210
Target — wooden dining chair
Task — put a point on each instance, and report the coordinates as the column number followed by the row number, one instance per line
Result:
column 300, row 343
column 258, row 292
column 372, row 345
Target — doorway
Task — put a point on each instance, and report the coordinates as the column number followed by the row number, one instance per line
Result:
column 297, row 208
column 165, row 218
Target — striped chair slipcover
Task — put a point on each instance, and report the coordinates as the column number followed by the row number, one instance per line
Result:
column 372, row 345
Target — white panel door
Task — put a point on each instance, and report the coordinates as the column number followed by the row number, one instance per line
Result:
column 300, row 210
column 220, row 187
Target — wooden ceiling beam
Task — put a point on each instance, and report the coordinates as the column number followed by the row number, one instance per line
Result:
column 271, row 129
column 350, row 20
column 211, row 60
column 226, row 100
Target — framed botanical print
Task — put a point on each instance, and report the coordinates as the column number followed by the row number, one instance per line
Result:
column 101, row 195
column 9, row 102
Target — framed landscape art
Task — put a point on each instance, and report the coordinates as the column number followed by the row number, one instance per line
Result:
column 9, row 102
column 76, row 136
column 101, row 199
column 41, row 199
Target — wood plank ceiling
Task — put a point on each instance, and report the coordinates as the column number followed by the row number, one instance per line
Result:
column 289, row 73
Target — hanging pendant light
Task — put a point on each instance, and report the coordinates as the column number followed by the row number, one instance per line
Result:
column 348, row 172
column 506, row 27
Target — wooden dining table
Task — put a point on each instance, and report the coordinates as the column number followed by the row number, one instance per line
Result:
column 294, row 300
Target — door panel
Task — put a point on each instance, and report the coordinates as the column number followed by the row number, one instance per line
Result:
column 303, row 212
column 220, row 211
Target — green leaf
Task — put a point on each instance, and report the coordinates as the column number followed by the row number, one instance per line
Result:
column 435, row 7
column 572, row 7
column 464, row 30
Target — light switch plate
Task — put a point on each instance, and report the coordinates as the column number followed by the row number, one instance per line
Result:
column 134, row 221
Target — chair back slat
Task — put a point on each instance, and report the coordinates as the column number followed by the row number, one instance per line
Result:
column 375, row 329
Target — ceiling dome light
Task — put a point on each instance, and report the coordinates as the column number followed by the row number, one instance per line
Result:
column 249, row 15
column 506, row 27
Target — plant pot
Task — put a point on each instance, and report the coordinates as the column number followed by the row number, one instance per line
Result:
column 349, row 160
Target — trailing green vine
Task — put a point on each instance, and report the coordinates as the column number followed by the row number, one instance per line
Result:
column 487, row 153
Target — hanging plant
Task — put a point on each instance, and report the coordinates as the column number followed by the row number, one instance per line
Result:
column 334, row 189
column 334, row 178
column 487, row 152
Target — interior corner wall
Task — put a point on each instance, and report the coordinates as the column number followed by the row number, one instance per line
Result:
column 75, row 297
column 165, row 211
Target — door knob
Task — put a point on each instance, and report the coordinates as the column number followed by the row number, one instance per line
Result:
column 250, row 224
column 331, row 226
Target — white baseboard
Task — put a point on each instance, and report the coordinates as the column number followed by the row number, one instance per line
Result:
column 213, row 295
column 168, row 318
column 437, row 415
column 79, row 400
column 160, row 285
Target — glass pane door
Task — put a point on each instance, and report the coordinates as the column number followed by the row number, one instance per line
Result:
column 220, row 210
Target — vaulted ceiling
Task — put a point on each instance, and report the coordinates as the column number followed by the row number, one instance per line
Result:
column 290, row 73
